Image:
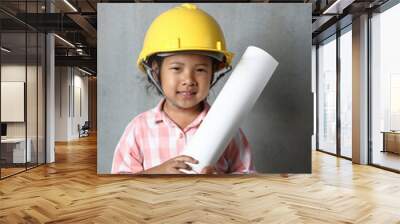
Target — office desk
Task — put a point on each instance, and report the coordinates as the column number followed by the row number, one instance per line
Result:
column 391, row 141
column 13, row 150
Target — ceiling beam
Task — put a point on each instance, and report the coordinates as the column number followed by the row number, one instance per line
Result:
column 86, row 26
column 86, row 61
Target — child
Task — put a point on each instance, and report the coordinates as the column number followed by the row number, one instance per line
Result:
column 183, row 56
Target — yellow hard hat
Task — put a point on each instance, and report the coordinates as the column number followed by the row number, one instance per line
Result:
column 184, row 28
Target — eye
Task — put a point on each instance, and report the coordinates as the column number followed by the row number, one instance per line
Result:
column 201, row 70
column 175, row 68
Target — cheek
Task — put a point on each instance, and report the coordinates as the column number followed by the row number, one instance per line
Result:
column 204, row 83
column 204, row 80
column 168, row 84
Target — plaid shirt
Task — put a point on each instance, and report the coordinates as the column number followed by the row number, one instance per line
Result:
column 152, row 138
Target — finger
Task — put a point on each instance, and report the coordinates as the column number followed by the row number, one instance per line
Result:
column 180, row 172
column 205, row 171
column 187, row 171
column 173, row 170
column 188, row 159
column 177, row 170
column 208, row 170
column 213, row 170
column 182, row 165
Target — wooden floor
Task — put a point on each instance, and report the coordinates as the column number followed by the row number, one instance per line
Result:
column 5, row 172
column 10, row 171
column 70, row 191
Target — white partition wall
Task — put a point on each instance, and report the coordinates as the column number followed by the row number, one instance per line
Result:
column 12, row 100
column 71, row 102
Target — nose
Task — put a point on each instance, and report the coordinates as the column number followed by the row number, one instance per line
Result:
column 188, row 78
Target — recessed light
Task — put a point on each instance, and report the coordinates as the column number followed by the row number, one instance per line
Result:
column 70, row 5
column 64, row 40
column 84, row 71
column 5, row 50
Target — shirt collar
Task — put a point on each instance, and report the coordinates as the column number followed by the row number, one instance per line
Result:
column 160, row 116
column 158, row 111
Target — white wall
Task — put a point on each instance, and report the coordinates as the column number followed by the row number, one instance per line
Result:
column 62, row 81
column 16, row 73
column 79, row 117
column 69, row 82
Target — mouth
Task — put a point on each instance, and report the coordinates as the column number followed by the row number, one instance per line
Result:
column 186, row 94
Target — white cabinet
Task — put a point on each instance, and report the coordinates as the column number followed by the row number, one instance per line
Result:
column 17, row 145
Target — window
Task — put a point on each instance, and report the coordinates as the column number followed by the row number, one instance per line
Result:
column 385, row 88
column 346, row 92
column 327, row 95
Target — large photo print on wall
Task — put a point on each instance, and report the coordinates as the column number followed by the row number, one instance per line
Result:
column 211, row 88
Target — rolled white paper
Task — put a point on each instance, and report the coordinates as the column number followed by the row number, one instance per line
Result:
column 235, row 100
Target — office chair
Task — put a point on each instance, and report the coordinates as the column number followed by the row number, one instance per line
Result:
column 84, row 130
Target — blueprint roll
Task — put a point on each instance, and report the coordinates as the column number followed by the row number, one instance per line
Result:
column 235, row 100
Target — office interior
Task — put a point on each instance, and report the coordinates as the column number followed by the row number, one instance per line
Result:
column 48, row 82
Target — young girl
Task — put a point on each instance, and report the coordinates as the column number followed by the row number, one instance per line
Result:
column 183, row 55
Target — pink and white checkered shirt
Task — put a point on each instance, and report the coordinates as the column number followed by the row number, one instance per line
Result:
column 152, row 138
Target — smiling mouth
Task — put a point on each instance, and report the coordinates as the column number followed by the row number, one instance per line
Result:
column 186, row 93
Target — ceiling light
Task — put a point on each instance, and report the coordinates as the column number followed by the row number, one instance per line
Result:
column 70, row 5
column 84, row 71
column 65, row 41
column 338, row 6
column 5, row 50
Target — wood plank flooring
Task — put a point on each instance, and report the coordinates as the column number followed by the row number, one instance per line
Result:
column 70, row 191
column 10, row 171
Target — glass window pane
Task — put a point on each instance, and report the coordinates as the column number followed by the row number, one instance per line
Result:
column 327, row 96
column 41, row 98
column 22, row 88
column 31, row 101
column 14, row 153
column 386, row 89
column 346, row 94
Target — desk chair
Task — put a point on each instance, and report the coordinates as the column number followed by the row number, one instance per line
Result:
column 84, row 130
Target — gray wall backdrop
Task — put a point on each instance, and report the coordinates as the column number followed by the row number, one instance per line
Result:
column 279, row 127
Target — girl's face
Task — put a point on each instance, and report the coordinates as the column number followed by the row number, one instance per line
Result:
column 186, row 79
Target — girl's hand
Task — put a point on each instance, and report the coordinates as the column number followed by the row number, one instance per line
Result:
column 172, row 166
column 209, row 170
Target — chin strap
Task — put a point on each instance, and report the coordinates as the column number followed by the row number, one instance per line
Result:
column 149, row 72
column 221, row 74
